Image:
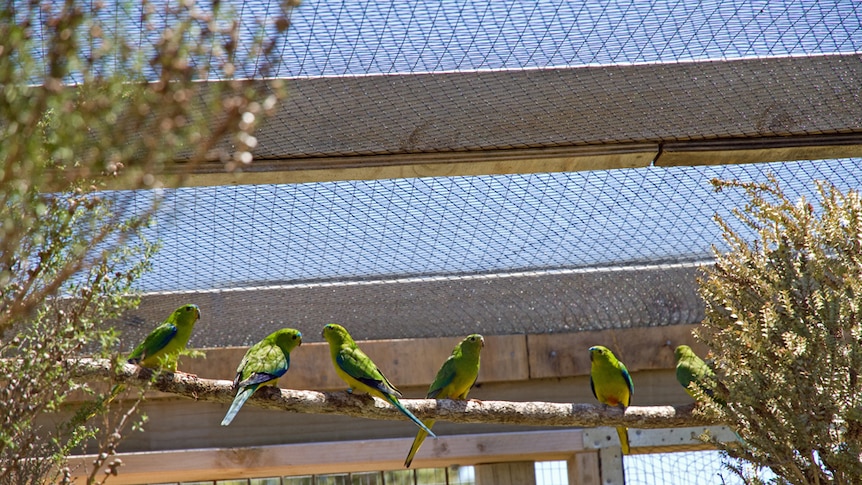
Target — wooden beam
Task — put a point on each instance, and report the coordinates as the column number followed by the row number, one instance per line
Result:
column 775, row 149
column 645, row 441
column 509, row 473
column 583, row 469
column 376, row 167
column 559, row 119
column 336, row 457
column 644, row 348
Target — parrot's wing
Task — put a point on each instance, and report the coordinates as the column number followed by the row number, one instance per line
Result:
column 263, row 364
column 360, row 367
column 259, row 378
column 155, row 341
column 684, row 374
column 628, row 378
column 593, row 387
column 704, row 376
column 445, row 376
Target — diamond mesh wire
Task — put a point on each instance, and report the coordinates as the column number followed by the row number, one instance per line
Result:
column 339, row 38
column 552, row 473
column 344, row 38
column 432, row 257
column 237, row 236
column 683, row 468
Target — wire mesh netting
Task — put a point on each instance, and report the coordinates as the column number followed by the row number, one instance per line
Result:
column 499, row 254
column 344, row 38
column 572, row 74
column 332, row 38
column 684, row 468
column 223, row 237
column 677, row 468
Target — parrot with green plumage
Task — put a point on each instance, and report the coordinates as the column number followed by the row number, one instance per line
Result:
column 611, row 384
column 691, row 368
column 454, row 380
column 163, row 345
column 359, row 372
column 262, row 365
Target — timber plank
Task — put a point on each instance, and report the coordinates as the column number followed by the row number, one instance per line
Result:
column 406, row 362
column 337, row 457
column 567, row 354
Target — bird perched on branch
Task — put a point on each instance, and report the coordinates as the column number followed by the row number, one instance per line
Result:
column 262, row 365
column 691, row 368
column 162, row 346
column 611, row 384
column 454, row 380
column 359, row 372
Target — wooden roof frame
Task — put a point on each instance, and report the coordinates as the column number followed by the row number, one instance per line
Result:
column 556, row 119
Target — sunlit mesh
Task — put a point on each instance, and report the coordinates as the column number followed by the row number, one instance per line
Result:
column 448, row 256
column 333, row 38
column 684, row 468
column 235, row 236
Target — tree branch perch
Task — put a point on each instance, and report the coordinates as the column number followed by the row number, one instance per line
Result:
column 364, row 406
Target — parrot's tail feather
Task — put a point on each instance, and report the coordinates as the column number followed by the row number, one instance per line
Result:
column 394, row 401
column 624, row 439
column 417, row 442
column 240, row 399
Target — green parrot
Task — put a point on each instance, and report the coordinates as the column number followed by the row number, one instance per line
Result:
column 262, row 365
column 359, row 372
column 611, row 384
column 691, row 368
column 163, row 344
column 454, row 380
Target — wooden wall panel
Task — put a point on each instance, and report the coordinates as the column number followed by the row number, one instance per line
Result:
column 407, row 362
column 558, row 355
column 352, row 456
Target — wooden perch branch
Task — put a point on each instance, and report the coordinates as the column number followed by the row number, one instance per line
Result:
column 344, row 403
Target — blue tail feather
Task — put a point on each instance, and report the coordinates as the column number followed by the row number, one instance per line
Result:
column 240, row 399
column 394, row 401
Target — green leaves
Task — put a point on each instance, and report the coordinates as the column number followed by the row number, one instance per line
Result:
column 92, row 101
column 782, row 320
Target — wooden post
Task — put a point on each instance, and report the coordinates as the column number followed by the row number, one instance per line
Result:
column 611, row 462
column 511, row 473
column 584, row 469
